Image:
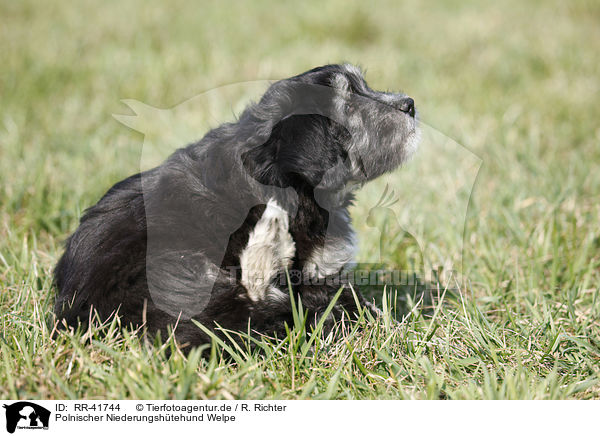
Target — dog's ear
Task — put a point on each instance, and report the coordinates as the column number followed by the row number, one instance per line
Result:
column 305, row 148
column 292, row 134
column 281, row 100
column 289, row 97
column 256, row 123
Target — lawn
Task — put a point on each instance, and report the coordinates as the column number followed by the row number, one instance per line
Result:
column 515, row 85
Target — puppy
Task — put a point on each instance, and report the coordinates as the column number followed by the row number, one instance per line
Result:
column 213, row 233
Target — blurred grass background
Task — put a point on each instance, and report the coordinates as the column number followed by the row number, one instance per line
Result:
column 515, row 82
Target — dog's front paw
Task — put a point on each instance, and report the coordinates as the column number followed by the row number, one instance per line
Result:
column 269, row 251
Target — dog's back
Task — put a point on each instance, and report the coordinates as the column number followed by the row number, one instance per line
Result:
column 105, row 257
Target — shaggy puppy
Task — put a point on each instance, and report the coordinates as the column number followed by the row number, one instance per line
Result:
column 209, row 234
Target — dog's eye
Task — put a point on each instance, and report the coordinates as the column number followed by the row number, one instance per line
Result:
column 349, row 108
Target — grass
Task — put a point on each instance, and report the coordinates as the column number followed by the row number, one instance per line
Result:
column 515, row 83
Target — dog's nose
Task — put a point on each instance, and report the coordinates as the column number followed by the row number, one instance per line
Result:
column 408, row 105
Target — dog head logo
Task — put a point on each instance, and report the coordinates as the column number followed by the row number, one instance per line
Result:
column 26, row 415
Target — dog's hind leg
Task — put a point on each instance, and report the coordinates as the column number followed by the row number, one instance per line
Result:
column 269, row 251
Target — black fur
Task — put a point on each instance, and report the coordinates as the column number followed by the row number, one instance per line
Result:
column 165, row 244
